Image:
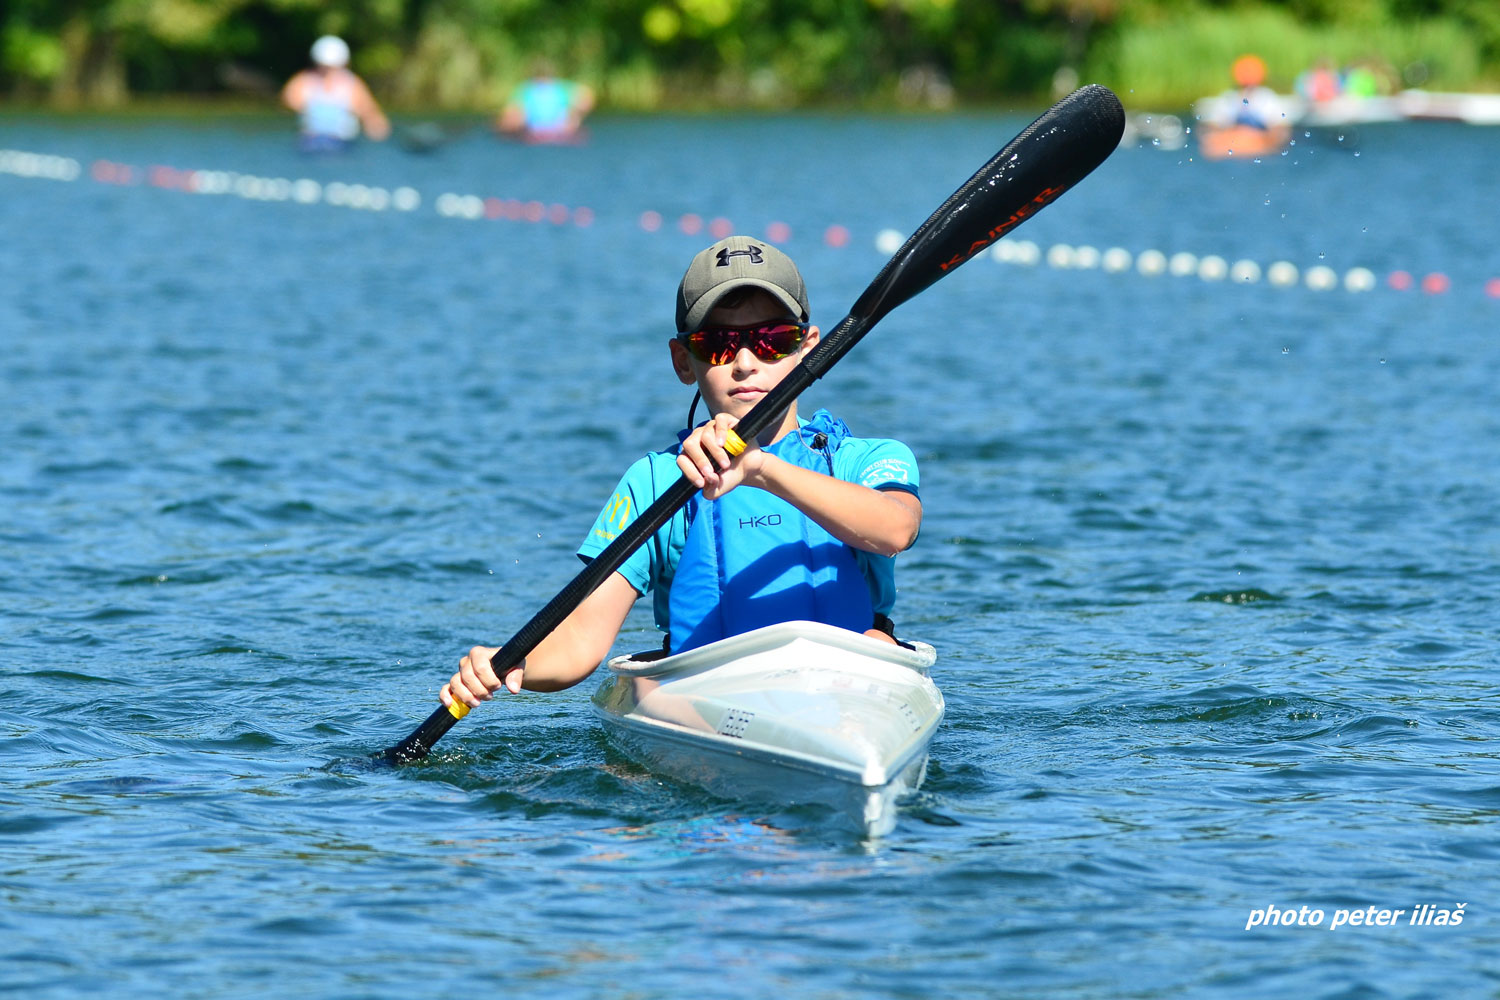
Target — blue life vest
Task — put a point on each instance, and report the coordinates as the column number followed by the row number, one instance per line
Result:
column 752, row 559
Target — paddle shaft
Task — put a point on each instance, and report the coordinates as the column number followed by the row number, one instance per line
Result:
column 1051, row 155
column 650, row 520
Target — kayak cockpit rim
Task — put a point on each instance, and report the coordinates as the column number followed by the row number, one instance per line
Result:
column 917, row 656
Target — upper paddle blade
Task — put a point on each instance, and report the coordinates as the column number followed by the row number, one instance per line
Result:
column 1055, row 152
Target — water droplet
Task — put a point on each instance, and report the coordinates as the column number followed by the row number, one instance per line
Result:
column 1364, row 229
column 1156, row 142
column 1307, row 135
column 1268, row 200
column 1188, row 130
column 1341, row 138
column 1322, row 254
column 1257, row 160
column 1382, row 360
column 1356, row 152
column 1286, row 350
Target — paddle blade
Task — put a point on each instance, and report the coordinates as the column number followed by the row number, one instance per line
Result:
column 1051, row 155
column 420, row 742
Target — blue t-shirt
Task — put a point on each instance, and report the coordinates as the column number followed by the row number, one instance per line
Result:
column 879, row 463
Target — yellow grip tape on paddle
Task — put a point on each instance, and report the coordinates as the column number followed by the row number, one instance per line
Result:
column 457, row 709
column 733, row 443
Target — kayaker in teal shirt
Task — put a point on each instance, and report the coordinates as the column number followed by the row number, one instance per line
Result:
column 546, row 108
column 805, row 523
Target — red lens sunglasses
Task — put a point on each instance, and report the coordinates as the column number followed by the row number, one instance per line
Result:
column 717, row 345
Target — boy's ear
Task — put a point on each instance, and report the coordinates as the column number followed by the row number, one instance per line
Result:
column 811, row 340
column 681, row 363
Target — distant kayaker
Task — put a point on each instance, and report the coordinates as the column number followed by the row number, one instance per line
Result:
column 546, row 109
column 1251, row 120
column 804, row 523
column 1253, row 104
column 332, row 101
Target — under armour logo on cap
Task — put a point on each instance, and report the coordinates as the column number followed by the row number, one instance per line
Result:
column 751, row 250
column 738, row 262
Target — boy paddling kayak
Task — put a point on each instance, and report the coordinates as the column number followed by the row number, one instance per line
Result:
column 803, row 521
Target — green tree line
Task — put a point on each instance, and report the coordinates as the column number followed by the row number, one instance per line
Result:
column 650, row 54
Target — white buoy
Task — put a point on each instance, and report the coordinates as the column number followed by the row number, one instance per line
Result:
column 307, row 192
column 1151, row 262
column 213, row 182
column 1321, row 278
column 336, row 193
column 447, row 204
column 1026, row 252
column 405, row 199
column 18, row 162
column 1182, row 264
column 1060, row 255
column 888, row 241
column 1011, row 252
column 1359, row 279
column 471, row 206
column 1212, row 268
column 1244, row 272
column 248, row 186
column 1282, row 273
column 1116, row 259
column 40, row 165
column 1085, row 258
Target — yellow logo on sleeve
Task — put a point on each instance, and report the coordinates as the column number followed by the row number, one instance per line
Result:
column 615, row 517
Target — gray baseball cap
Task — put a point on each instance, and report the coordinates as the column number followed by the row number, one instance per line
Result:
column 737, row 262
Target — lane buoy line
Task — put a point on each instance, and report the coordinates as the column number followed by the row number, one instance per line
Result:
column 473, row 207
column 1213, row 268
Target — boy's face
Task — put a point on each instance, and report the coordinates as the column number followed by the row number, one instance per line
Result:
column 738, row 385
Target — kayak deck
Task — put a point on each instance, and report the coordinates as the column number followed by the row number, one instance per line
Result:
column 793, row 713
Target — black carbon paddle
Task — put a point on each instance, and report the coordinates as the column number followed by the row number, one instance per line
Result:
column 1052, row 154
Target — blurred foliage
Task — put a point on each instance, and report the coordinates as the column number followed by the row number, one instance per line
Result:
column 644, row 54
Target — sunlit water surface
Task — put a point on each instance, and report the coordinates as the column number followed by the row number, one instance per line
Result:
column 1211, row 570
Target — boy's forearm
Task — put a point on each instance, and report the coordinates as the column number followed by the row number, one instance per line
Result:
column 868, row 519
column 575, row 648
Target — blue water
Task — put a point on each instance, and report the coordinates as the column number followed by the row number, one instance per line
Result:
column 1211, row 571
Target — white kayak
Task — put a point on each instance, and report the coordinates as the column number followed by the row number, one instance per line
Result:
column 793, row 713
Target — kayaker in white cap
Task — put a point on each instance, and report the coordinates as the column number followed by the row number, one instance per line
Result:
column 332, row 101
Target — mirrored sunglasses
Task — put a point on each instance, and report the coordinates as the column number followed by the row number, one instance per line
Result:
column 717, row 345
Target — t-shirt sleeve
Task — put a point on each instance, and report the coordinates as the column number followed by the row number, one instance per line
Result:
column 885, row 464
column 634, row 494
